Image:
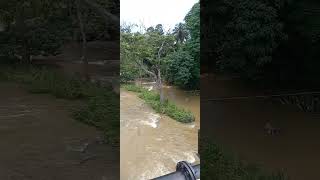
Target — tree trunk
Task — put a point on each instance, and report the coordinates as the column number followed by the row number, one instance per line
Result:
column 140, row 76
column 161, row 93
column 26, row 56
column 84, row 43
column 159, row 74
column 159, row 85
column 21, row 28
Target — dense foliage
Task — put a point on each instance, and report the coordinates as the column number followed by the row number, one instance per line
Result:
column 32, row 28
column 175, row 55
column 41, row 27
column 184, row 64
column 262, row 39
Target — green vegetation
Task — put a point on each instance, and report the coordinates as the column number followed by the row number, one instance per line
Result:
column 101, row 107
column 34, row 28
column 39, row 28
column 172, row 56
column 167, row 107
column 264, row 40
column 218, row 164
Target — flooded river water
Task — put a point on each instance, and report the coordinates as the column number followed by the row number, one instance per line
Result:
column 152, row 144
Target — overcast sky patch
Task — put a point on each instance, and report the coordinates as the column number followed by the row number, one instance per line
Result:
column 153, row 12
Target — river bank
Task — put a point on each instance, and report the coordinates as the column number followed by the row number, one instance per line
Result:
column 98, row 105
column 167, row 107
column 41, row 141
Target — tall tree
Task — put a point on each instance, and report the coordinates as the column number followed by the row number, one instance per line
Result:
column 184, row 64
column 159, row 46
column 159, row 29
column 180, row 32
column 148, row 51
column 244, row 34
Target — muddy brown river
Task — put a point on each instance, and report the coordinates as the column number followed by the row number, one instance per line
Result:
column 41, row 141
column 152, row 144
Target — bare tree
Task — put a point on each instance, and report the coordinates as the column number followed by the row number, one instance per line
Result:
column 158, row 68
column 155, row 72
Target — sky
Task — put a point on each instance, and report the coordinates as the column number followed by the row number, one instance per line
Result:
column 153, row 12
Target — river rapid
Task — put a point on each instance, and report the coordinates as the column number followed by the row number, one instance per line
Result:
column 152, row 144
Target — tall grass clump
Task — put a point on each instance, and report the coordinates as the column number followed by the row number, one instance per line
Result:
column 218, row 164
column 167, row 107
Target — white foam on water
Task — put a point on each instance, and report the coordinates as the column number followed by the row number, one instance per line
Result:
column 158, row 170
column 129, row 124
column 150, row 88
column 192, row 126
column 190, row 157
column 168, row 87
column 123, row 96
column 149, row 83
column 152, row 120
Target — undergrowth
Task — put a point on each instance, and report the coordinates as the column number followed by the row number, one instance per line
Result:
column 153, row 99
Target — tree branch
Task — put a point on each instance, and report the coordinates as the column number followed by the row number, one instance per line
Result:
column 146, row 70
column 161, row 48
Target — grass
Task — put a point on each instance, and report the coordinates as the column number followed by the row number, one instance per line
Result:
column 153, row 99
column 101, row 105
column 219, row 164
